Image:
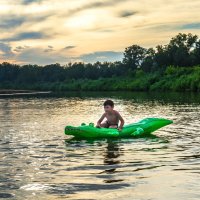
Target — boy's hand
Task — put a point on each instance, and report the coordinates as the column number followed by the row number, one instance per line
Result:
column 119, row 129
column 98, row 126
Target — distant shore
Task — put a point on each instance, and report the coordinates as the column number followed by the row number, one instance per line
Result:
column 171, row 79
column 12, row 92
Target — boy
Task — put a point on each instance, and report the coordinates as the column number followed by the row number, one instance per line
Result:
column 113, row 117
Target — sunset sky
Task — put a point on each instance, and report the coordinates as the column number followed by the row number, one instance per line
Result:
column 49, row 31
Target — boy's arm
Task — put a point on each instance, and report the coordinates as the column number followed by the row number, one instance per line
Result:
column 101, row 119
column 121, row 121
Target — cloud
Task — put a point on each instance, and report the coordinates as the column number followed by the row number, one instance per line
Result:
column 69, row 47
column 191, row 26
column 159, row 27
column 14, row 21
column 167, row 27
column 20, row 48
column 127, row 13
column 5, row 50
column 25, row 36
column 30, row 55
column 49, row 49
column 8, row 22
column 30, row 1
column 98, row 4
column 95, row 5
column 102, row 56
column 38, row 56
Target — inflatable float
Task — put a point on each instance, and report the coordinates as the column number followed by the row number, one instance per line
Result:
column 139, row 129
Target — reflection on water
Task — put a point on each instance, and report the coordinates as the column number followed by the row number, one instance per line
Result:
column 39, row 162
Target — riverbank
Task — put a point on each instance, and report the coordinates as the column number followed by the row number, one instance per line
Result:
column 179, row 80
column 9, row 92
column 172, row 79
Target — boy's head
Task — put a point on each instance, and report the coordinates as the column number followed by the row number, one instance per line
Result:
column 108, row 105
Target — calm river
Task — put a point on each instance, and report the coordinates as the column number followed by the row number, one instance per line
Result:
column 37, row 161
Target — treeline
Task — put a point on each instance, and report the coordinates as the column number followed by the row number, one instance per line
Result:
column 56, row 73
column 181, row 57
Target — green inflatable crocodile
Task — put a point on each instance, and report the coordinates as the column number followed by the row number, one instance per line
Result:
column 141, row 128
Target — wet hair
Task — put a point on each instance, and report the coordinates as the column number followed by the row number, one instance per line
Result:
column 108, row 103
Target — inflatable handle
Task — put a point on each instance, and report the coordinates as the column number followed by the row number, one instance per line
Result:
column 138, row 131
column 91, row 124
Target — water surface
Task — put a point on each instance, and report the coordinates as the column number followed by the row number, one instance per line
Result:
column 39, row 162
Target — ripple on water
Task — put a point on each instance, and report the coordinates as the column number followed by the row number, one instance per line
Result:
column 6, row 195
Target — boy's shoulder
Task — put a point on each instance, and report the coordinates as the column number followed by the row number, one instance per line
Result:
column 116, row 112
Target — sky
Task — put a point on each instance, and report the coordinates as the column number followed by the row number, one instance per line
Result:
column 61, row 31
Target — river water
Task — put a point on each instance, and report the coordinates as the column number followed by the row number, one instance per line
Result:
column 37, row 161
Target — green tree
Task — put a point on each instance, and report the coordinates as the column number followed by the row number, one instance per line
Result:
column 29, row 74
column 196, row 54
column 161, row 58
column 180, row 48
column 149, row 60
column 75, row 70
column 134, row 56
column 8, row 72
